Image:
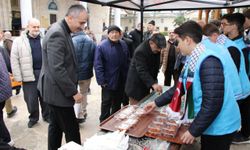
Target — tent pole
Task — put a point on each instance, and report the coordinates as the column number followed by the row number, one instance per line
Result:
column 141, row 9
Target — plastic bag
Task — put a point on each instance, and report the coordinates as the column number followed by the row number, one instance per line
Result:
column 110, row 141
column 71, row 146
column 157, row 145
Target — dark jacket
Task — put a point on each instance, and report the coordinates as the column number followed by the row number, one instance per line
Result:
column 111, row 64
column 142, row 72
column 211, row 75
column 146, row 35
column 85, row 50
column 136, row 37
column 5, row 86
column 6, row 57
column 7, row 43
column 58, row 79
column 130, row 45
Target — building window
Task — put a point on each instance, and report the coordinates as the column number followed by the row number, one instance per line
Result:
column 130, row 20
column 162, row 20
column 52, row 6
column 52, row 18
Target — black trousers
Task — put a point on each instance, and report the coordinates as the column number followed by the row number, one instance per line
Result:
column 4, row 133
column 111, row 102
column 169, row 73
column 32, row 99
column 62, row 120
column 244, row 106
column 222, row 142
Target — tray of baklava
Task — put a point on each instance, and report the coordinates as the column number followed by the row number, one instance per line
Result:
column 130, row 118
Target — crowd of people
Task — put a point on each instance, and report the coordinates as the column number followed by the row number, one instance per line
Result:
column 208, row 63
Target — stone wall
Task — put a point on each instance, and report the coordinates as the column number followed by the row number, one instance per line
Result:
column 5, row 13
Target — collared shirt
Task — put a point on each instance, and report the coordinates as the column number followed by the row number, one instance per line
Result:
column 66, row 25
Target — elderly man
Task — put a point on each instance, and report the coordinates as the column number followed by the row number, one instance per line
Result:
column 168, row 58
column 144, row 68
column 7, row 44
column 150, row 30
column 26, row 63
column 136, row 37
column 58, row 79
column 111, row 67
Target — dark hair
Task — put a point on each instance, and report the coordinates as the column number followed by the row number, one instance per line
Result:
column 74, row 10
column 246, row 13
column 152, row 22
column 236, row 18
column 209, row 29
column 190, row 29
column 159, row 39
column 216, row 22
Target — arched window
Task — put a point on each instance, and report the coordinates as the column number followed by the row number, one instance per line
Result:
column 52, row 6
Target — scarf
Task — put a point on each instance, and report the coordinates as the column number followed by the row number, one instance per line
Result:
column 182, row 104
column 221, row 39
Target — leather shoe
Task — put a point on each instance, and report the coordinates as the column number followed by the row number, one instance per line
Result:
column 31, row 124
column 82, row 120
column 12, row 113
column 15, row 148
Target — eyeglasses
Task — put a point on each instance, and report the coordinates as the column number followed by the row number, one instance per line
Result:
column 226, row 24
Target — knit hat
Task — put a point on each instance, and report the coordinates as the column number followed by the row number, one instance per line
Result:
column 152, row 22
column 114, row 27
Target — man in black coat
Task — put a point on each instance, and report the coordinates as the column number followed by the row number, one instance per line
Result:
column 136, row 37
column 144, row 68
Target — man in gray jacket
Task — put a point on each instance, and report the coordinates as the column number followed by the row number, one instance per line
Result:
column 26, row 63
column 58, row 79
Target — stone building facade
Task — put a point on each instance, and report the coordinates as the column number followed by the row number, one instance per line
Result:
column 48, row 12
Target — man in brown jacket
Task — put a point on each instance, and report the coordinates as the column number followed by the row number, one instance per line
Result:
column 168, row 57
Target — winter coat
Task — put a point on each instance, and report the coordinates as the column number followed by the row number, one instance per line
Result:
column 142, row 72
column 85, row 50
column 111, row 65
column 21, row 59
column 5, row 86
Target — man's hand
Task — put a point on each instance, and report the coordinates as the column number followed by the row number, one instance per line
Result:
column 78, row 97
column 157, row 88
column 187, row 138
column 149, row 107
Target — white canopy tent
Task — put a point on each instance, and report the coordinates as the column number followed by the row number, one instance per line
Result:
column 163, row 5
column 170, row 5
